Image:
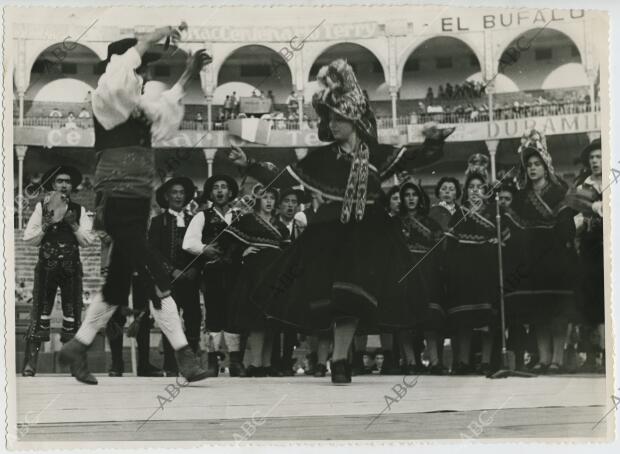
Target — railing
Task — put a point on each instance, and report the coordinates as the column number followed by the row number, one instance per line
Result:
column 468, row 116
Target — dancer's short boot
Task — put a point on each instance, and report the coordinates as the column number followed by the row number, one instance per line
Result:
column 235, row 368
column 73, row 354
column 189, row 367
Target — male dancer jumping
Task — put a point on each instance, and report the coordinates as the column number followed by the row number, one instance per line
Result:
column 125, row 123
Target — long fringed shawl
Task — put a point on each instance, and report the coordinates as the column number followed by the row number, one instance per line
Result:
column 357, row 184
column 252, row 230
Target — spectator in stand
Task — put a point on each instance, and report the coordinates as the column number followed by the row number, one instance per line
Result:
column 21, row 294
column 291, row 102
column 221, row 115
column 86, row 184
column 271, row 98
column 199, row 121
column 55, row 113
column 84, row 113
column 88, row 98
column 449, row 91
column 429, row 95
column 70, row 124
column 234, row 100
column 228, row 107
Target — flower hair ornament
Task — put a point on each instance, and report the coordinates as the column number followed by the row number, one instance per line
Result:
column 534, row 143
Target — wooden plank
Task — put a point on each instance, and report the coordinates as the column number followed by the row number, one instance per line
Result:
column 562, row 423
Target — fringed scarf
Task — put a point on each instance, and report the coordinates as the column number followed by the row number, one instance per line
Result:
column 357, row 184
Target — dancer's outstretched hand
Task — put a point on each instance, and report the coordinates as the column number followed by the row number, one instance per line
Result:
column 197, row 61
column 238, row 156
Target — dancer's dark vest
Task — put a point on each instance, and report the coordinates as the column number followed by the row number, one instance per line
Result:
column 125, row 160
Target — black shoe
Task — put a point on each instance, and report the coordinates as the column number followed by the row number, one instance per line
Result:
column 150, row 371
column 462, row 369
column 272, row 371
column 312, row 363
column 213, row 364
column 189, row 366
column 341, row 372
column 28, row 371
column 437, row 369
column 253, row 371
column 73, row 354
column 113, row 372
column 389, row 367
column 235, row 368
column 483, row 369
column 320, row 370
column 540, row 368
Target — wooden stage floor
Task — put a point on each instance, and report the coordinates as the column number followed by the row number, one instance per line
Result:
column 57, row 408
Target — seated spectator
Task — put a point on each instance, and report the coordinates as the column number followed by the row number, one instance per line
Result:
column 272, row 98
column 84, row 113
column 430, row 96
column 70, row 124
column 199, row 121
column 55, row 113
column 291, row 102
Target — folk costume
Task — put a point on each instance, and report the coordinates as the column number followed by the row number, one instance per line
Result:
column 166, row 235
column 218, row 275
column 471, row 256
column 590, row 239
column 421, row 235
column 268, row 236
column 545, row 252
column 339, row 257
column 126, row 121
column 58, row 266
column 285, row 338
column 587, row 200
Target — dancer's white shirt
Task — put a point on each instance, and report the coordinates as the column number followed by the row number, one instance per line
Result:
column 119, row 95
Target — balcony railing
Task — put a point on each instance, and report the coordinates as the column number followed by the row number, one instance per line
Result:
column 470, row 116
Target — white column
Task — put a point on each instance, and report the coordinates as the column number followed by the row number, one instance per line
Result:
column 209, row 112
column 394, row 97
column 492, row 147
column 592, row 75
column 490, row 89
column 209, row 156
column 20, row 96
column 300, row 108
column 20, row 150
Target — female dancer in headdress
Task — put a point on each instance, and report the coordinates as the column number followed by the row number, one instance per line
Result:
column 340, row 280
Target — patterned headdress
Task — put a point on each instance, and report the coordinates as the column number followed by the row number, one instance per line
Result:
column 534, row 143
column 341, row 93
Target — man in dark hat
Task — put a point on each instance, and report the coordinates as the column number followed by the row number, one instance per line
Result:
column 126, row 122
column 166, row 236
column 219, row 272
column 59, row 227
